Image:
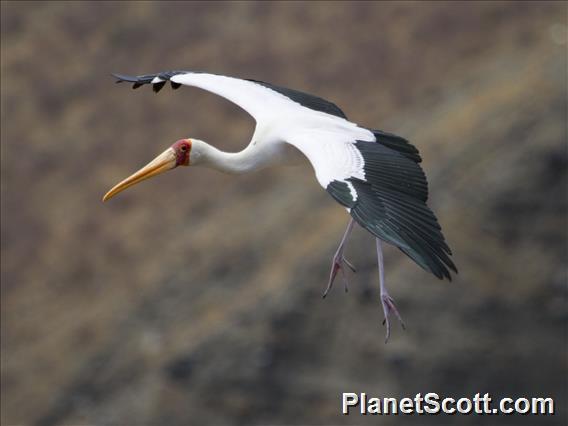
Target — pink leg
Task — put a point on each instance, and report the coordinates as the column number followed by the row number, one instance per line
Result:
column 386, row 300
column 339, row 260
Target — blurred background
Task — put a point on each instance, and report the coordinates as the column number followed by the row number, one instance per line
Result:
column 195, row 298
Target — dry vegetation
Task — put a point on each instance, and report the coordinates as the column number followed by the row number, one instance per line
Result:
column 194, row 298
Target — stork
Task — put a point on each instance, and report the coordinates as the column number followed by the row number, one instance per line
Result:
column 373, row 174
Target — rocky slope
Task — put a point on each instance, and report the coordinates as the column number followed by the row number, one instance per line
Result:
column 195, row 298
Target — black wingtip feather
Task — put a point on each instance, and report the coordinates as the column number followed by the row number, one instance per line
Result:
column 156, row 87
column 141, row 80
column 123, row 77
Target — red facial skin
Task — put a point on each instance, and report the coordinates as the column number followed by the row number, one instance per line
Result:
column 182, row 149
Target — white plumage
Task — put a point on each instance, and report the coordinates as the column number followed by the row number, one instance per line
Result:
column 326, row 140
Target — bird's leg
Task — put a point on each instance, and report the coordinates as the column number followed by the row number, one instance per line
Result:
column 386, row 300
column 339, row 260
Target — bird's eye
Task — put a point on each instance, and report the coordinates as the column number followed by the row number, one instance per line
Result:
column 184, row 148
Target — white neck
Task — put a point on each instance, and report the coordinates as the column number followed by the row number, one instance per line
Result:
column 249, row 159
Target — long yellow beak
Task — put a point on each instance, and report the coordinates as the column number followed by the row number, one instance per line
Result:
column 162, row 163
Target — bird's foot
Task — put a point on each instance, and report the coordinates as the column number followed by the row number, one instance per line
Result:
column 336, row 266
column 388, row 308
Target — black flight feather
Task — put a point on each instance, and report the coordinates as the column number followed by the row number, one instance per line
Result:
column 391, row 202
column 156, row 87
column 385, row 214
column 398, row 144
column 341, row 193
column 305, row 99
column 148, row 78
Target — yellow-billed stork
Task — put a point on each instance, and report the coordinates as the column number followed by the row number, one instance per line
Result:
column 375, row 175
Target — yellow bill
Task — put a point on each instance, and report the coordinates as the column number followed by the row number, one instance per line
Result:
column 162, row 163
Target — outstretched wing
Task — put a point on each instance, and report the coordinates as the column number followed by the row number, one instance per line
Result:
column 374, row 174
column 261, row 100
column 383, row 187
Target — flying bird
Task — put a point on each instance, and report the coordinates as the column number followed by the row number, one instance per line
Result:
column 373, row 174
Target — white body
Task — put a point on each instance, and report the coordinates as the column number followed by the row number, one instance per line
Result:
column 326, row 140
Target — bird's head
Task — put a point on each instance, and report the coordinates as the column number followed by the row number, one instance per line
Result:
column 179, row 154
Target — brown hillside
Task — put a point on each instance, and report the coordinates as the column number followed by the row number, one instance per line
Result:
column 195, row 298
